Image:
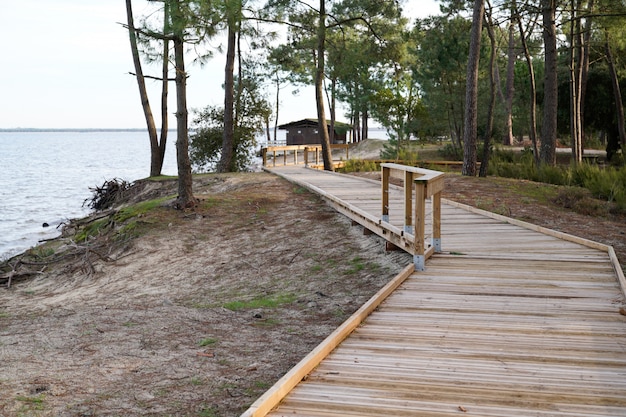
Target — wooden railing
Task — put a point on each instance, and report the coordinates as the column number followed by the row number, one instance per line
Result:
column 428, row 184
column 291, row 154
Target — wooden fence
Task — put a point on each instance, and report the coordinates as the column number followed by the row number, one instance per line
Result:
column 298, row 154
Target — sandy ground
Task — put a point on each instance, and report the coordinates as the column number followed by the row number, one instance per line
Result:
column 196, row 318
column 206, row 310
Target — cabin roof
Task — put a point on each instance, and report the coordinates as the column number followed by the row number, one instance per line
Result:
column 312, row 122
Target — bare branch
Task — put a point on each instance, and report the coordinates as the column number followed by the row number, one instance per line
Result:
column 151, row 77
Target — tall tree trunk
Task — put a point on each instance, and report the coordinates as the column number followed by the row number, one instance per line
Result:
column 185, row 190
column 238, row 97
column 575, row 71
column 155, row 162
column 455, row 127
column 277, row 106
column 365, row 124
column 319, row 89
column 510, row 81
column 164, row 86
column 471, row 92
column 226, row 158
column 550, row 84
column 484, row 166
column 331, row 106
column 533, row 89
column 357, row 126
column 617, row 95
column 585, row 65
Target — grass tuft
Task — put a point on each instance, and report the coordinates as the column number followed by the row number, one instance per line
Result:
column 207, row 341
column 261, row 302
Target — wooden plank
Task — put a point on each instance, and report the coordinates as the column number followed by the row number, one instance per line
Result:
column 530, row 226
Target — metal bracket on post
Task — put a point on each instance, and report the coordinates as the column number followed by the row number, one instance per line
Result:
column 408, row 230
column 419, row 262
column 436, row 242
column 385, row 218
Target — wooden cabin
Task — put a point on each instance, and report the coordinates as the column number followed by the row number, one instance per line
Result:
column 305, row 132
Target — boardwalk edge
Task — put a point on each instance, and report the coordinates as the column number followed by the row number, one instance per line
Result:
column 554, row 233
column 540, row 229
column 283, row 386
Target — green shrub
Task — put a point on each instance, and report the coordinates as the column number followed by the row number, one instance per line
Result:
column 552, row 175
column 450, row 153
column 582, row 173
column 407, row 154
column 505, row 169
column 500, row 155
column 359, row 165
column 593, row 142
column 604, row 183
column 581, row 201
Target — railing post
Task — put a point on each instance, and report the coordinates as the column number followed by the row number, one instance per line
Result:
column 436, row 238
column 264, row 153
column 295, row 156
column 385, row 191
column 306, row 156
column 408, row 202
column 420, row 225
column 274, row 160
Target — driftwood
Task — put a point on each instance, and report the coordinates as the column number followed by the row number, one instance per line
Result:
column 8, row 278
column 108, row 194
column 24, row 267
column 15, row 273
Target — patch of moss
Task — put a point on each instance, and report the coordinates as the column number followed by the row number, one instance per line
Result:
column 261, row 302
column 207, row 341
column 162, row 178
column 30, row 405
column 139, row 209
column 41, row 252
column 131, row 230
column 92, row 229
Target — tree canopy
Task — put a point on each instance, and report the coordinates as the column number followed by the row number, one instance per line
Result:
column 371, row 63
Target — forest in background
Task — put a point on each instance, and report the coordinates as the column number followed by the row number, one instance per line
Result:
column 480, row 72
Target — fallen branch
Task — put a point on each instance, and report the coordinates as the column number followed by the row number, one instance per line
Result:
column 13, row 270
column 74, row 251
column 9, row 277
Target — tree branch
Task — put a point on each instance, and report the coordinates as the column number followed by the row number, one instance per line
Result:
column 150, row 77
column 149, row 33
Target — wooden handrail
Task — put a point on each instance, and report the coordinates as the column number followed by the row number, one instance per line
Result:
column 427, row 184
column 305, row 149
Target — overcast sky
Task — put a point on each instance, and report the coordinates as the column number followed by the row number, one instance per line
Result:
column 65, row 64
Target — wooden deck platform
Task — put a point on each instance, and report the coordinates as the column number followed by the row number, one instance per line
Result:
column 509, row 319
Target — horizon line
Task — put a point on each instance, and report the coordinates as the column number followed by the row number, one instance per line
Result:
column 72, row 129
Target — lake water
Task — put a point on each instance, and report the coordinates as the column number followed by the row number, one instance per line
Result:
column 45, row 177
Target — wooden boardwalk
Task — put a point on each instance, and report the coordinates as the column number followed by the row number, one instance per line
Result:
column 508, row 320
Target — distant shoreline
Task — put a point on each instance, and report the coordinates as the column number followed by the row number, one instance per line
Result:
column 31, row 130
column 69, row 129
